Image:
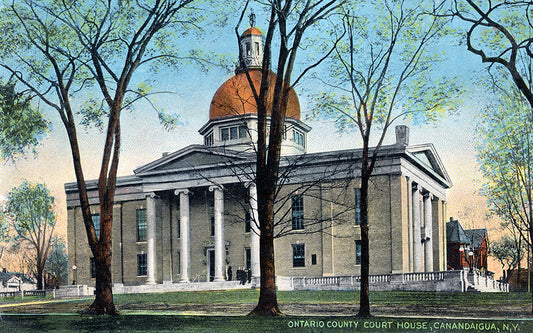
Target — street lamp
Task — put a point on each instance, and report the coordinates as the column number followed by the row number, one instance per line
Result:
column 75, row 274
column 471, row 255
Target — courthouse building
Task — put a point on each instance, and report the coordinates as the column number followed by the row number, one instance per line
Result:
column 190, row 215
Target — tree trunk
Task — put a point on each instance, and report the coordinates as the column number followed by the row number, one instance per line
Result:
column 40, row 270
column 103, row 302
column 530, row 241
column 268, row 301
column 364, row 301
column 519, row 266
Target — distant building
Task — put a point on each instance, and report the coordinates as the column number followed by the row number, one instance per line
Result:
column 478, row 239
column 466, row 248
column 12, row 281
column 456, row 245
column 189, row 215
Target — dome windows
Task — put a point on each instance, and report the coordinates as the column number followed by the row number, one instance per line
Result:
column 233, row 132
column 209, row 139
column 298, row 137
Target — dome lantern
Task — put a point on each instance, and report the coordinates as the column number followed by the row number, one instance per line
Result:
column 251, row 44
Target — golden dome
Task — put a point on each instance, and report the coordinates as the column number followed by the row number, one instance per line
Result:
column 234, row 97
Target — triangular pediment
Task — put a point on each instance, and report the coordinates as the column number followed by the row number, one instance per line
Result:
column 194, row 156
column 426, row 155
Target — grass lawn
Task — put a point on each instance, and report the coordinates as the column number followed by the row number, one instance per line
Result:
column 326, row 296
column 61, row 315
column 249, row 296
column 19, row 299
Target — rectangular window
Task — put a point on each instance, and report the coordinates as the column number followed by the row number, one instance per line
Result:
column 92, row 267
column 298, row 137
column 141, row 264
column 357, row 206
column 208, row 140
column 242, row 132
column 212, row 226
column 248, row 257
column 141, row 225
column 358, row 252
column 247, row 222
column 298, row 255
column 224, row 134
column 96, row 223
column 297, row 212
column 233, row 133
column 256, row 47
column 313, row 259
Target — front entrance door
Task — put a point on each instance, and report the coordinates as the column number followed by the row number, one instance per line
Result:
column 210, row 264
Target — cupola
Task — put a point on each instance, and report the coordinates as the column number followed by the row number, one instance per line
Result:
column 233, row 110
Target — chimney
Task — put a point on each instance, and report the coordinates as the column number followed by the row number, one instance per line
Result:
column 165, row 154
column 402, row 135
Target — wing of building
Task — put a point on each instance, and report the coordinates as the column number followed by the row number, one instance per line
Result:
column 190, row 215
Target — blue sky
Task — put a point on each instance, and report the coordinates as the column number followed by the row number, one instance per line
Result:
column 145, row 140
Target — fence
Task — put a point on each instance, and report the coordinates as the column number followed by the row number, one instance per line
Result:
column 23, row 293
column 458, row 280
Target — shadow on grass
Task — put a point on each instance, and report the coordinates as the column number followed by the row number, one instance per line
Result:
column 183, row 323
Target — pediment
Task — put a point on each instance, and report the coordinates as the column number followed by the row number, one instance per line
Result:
column 426, row 155
column 195, row 156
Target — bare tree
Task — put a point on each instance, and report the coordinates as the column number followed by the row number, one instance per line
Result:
column 506, row 161
column 508, row 251
column 499, row 32
column 287, row 23
column 64, row 52
column 381, row 73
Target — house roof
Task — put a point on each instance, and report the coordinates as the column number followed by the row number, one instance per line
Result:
column 6, row 276
column 476, row 236
column 455, row 233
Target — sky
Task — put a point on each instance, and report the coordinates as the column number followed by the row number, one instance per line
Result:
column 144, row 139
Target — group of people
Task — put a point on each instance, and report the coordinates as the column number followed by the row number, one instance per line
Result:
column 243, row 275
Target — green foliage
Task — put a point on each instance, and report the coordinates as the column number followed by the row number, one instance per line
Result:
column 386, row 67
column 47, row 45
column 57, row 262
column 507, row 251
column 506, row 159
column 30, row 209
column 22, row 125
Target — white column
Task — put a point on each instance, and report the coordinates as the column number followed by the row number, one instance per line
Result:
column 410, row 223
column 150, row 241
column 185, row 234
column 254, row 249
column 417, row 232
column 220, row 251
column 428, row 244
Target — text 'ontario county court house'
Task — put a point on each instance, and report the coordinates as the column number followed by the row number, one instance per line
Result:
column 190, row 215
